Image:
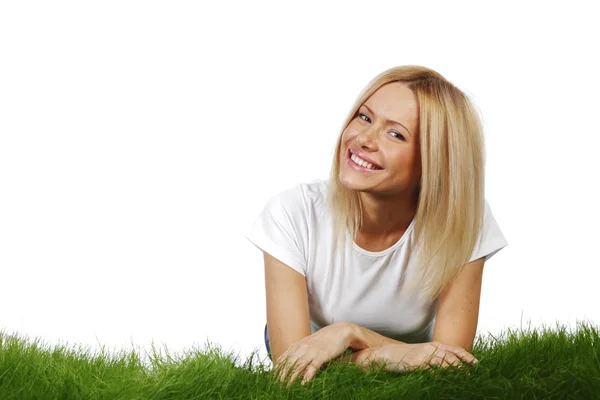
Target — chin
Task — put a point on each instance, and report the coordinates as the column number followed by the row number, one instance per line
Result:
column 352, row 183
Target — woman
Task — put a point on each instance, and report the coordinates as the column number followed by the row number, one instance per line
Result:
column 390, row 249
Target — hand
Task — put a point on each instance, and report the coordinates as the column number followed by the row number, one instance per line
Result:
column 407, row 357
column 306, row 356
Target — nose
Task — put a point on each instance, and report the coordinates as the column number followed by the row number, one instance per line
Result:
column 366, row 139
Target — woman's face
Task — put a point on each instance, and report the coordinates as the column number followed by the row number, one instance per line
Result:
column 384, row 130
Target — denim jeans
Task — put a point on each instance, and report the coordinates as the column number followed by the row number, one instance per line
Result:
column 267, row 342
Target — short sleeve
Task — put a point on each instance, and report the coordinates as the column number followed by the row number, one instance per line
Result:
column 281, row 229
column 492, row 239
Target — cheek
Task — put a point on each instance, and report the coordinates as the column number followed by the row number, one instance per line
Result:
column 349, row 133
column 345, row 137
column 403, row 160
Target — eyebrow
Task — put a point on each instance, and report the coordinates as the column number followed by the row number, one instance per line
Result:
column 389, row 120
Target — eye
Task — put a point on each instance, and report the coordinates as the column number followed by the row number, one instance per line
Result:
column 399, row 136
column 394, row 133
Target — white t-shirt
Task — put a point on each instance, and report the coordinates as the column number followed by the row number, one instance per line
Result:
column 351, row 284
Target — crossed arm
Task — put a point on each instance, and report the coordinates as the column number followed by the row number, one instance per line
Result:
column 456, row 324
column 456, row 319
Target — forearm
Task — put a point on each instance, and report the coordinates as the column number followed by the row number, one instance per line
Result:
column 362, row 338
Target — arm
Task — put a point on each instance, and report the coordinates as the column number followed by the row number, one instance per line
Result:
column 363, row 338
column 287, row 305
column 458, row 308
column 362, row 343
column 456, row 318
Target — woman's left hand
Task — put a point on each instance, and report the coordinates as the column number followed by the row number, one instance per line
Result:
column 306, row 356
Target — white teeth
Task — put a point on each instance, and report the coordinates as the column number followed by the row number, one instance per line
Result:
column 361, row 162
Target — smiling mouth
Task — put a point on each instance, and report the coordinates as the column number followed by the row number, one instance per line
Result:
column 350, row 159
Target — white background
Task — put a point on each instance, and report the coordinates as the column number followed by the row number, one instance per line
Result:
column 140, row 140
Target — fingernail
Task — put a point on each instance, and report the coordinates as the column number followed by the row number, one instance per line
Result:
column 475, row 361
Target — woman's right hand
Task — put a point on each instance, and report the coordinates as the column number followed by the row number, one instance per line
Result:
column 408, row 356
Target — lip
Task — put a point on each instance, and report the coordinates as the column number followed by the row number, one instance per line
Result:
column 359, row 168
column 364, row 157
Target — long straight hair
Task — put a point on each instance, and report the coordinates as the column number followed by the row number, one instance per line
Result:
column 451, row 193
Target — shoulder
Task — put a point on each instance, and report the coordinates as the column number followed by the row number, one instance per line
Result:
column 301, row 197
column 314, row 191
column 491, row 238
column 489, row 222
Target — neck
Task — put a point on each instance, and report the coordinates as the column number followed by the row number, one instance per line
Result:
column 383, row 217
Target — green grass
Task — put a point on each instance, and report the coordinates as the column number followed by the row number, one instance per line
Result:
column 546, row 364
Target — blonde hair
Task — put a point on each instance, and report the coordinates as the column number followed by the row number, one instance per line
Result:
column 451, row 195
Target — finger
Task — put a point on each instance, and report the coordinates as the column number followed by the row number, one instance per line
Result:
column 440, row 362
column 450, row 364
column 298, row 369
column 280, row 370
column 463, row 354
column 426, row 366
column 469, row 358
column 309, row 373
column 276, row 371
column 286, row 372
column 443, row 359
column 282, row 374
column 280, row 365
column 306, row 379
column 451, row 359
column 437, row 360
column 286, row 365
column 283, row 371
